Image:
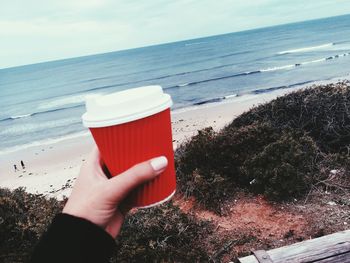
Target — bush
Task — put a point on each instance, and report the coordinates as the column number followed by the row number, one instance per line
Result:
column 276, row 148
column 285, row 168
column 233, row 146
column 208, row 166
column 162, row 234
column 23, row 218
column 321, row 111
column 196, row 153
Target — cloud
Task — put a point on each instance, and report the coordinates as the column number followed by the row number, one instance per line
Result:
column 50, row 40
column 83, row 3
column 40, row 30
column 54, row 29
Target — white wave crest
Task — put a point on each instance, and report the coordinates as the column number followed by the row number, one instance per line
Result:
column 278, row 68
column 305, row 49
column 18, row 130
column 44, row 142
column 20, row 116
column 313, row 61
column 304, row 63
column 63, row 101
column 230, row 96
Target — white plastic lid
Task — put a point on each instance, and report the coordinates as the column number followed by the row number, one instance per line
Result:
column 125, row 106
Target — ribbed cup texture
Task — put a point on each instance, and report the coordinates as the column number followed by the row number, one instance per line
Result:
column 124, row 145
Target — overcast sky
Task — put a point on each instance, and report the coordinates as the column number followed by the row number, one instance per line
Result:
column 33, row 31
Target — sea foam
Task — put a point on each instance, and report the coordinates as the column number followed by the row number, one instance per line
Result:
column 305, row 49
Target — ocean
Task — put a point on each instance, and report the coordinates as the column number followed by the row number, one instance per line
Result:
column 44, row 102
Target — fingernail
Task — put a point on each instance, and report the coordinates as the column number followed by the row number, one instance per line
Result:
column 159, row 163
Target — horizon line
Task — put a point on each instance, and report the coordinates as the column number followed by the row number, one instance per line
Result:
column 166, row 43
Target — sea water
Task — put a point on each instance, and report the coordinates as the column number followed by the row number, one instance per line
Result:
column 44, row 102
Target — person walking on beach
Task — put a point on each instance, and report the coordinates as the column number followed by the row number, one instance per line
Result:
column 16, row 169
column 23, row 166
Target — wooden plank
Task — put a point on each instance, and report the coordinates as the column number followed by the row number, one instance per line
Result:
column 249, row 259
column 262, row 256
column 342, row 258
column 311, row 250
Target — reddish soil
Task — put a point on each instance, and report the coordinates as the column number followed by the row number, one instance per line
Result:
column 250, row 213
column 252, row 223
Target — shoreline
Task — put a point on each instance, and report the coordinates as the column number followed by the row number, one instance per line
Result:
column 52, row 168
column 81, row 134
column 209, row 103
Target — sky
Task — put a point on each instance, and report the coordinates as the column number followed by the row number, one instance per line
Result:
column 33, row 31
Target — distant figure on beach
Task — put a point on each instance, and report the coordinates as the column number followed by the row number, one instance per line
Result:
column 16, row 169
column 23, row 166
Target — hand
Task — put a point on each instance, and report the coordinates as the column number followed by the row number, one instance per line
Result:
column 100, row 200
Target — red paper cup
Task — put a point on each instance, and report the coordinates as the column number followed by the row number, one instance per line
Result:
column 130, row 127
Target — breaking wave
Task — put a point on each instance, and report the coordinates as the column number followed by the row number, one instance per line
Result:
column 39, row 112
column 263, row 70
column 305, row 49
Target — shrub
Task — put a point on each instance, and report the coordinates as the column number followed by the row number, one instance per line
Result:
column 159, row 234
column 279, row 146
column 233, row 146
column 284, row 168
column 208, row 166
column 196, row 153
column 321, row 111
column 162, row 234
column 23, row 218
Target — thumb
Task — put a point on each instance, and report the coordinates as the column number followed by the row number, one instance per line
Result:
column 121, row 185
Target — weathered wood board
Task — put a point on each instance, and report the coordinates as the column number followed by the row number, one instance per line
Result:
column 333, row 248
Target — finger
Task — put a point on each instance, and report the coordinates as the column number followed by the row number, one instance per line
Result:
column 101, row 169
column 91, row 168
column 98, row 164
column 121, row 185
column 94, row 156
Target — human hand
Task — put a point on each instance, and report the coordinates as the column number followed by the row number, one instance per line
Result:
column 100, row 200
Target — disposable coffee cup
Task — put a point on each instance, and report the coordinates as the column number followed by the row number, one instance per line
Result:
column 130, row 127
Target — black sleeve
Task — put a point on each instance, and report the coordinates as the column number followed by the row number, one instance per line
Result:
column 73, row 239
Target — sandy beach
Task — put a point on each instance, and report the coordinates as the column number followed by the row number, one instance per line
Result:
column 51, row 169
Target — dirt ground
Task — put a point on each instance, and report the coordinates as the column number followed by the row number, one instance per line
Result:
column 251, row 222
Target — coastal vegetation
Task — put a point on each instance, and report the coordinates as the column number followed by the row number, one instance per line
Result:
column 23, row 218
column 161, row 233
column 292, row 154
column 280, row 149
